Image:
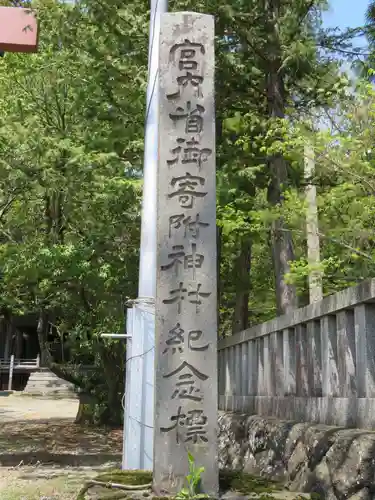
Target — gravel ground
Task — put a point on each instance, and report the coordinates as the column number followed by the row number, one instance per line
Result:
column 44, row 455
column 17, row 407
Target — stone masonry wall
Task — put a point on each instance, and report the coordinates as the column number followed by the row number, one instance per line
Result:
column 336, row 463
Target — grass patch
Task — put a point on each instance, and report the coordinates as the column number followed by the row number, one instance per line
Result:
column 61, row 488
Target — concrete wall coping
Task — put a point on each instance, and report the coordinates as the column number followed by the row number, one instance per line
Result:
column 346, row 299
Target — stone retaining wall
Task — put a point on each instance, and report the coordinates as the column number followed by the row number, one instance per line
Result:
column 334, row 462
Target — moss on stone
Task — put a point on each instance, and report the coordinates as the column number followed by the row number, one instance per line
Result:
column 113, row 495
column 126, row 477
column 238, row 481
column 246, row 483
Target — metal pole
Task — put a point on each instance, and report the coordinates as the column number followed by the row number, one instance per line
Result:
column 147, row 263
column 139, row 382
column 115, row 336
column 11, row 368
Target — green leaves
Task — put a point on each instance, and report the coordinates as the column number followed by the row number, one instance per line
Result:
column 71, row 119
column 193, row 479
column 71, row 154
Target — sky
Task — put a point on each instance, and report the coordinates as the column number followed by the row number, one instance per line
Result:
column 346, row 13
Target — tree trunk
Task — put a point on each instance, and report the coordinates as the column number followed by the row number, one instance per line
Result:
column 281, row 238
column 282, row 253
column 3, row 332
column 42, row 331
column 19, row 344
column 54, row 218
column 8, row 336
column 312, row 229
column 219, row 231
column 112, row 360
column 242, row 284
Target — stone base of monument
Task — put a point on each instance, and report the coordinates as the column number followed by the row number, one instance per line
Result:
column 136, row 485
column 44, row 383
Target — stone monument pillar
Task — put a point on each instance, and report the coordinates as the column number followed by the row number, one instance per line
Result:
column 186, row 303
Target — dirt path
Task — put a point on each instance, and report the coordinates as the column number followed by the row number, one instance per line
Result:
column 16, row 407
column 44, row 454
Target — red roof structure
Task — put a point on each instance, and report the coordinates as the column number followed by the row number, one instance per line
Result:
column 18, row 30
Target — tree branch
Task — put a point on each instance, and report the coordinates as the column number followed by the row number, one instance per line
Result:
column 125, row 487
column 309, row 6
column 334, row 240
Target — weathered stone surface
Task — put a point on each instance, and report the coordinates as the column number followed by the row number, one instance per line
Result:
column 186, row 305
column 45, row 383
column 348, row 412
column 352, row 461
column 364, row 494
column 346, row 353
column 316, row 364
column 364, row 325
column 336, row 463
column 230, row 450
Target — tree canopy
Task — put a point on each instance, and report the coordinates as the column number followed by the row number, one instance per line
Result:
column 71, row 154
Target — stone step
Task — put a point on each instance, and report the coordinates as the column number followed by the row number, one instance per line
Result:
column 46, row 383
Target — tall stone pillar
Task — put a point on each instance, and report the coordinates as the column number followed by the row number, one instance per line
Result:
column 186, row 398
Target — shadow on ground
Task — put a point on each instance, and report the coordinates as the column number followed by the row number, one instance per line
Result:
column 66, row 459
column 60, row 441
